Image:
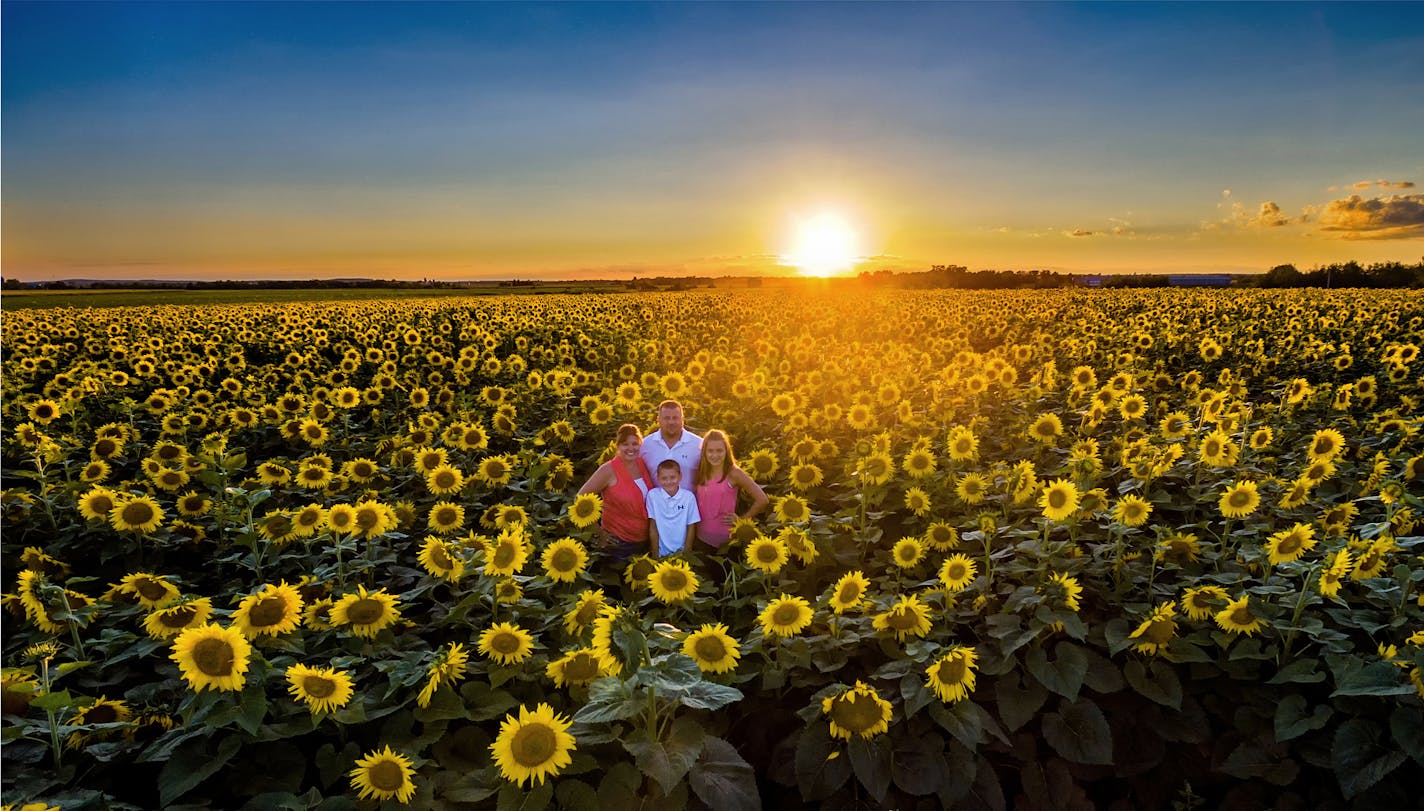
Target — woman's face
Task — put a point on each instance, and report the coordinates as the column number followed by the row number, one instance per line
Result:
column 716, row 451
column 630, row 446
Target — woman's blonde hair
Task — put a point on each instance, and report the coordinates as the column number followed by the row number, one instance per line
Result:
column 704, row 468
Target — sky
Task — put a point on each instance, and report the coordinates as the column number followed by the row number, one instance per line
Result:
column 605, row 140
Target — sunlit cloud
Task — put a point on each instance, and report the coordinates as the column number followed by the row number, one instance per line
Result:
column 1394, row 217
column 1079, row 232
column 1269, row 216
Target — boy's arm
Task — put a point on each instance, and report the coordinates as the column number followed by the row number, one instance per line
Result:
column 694, row 517
column 653, row 537
column 691, row 536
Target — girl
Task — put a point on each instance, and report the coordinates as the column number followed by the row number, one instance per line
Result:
column 717, row 482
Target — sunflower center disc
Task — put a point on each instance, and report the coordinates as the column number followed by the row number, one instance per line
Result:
column 213, row 657
column 268, row 611
column 504, row 555
column 581, row 668
column 564, row 560
column 856, row 712
column 152, row 590
column 319, row 686
column 177, row 617
column 674, row 580
column 505, row 643
column 710, row 649
column 785, row 615
column 386, row 776
column 137, row 514
column 366, row 611
column 952, row 670
column 533, row 744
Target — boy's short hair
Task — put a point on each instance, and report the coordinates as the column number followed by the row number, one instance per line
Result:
column 669, row 464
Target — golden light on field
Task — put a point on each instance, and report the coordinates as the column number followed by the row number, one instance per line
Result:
column 822, row 245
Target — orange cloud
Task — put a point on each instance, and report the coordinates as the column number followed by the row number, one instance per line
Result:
column 1399, row 216
column 1385, row 184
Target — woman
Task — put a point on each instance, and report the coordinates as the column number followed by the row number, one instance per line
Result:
column 718, row 482
column 623, row 484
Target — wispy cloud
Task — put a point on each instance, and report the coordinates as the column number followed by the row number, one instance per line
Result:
column 1398, row 216
column 1383, row 184
column 1079, row 232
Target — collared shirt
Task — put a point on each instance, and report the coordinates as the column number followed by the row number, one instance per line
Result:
column 687, row 452
column 673, row 515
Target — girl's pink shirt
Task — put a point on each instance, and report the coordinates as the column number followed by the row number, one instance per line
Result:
column 714, row 500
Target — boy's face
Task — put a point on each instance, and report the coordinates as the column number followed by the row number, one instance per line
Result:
column 669, row 479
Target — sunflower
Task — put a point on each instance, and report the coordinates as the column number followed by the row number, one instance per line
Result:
column 446, row 517
column 449, row 668
column 906, row 618
column 272, row 611
column 917, row 501
column 139, row 514
column 957, row 572
column 919, row 463
column 1132, row 511
column 1180, row 548
column 564, row 560
column 963, row 444
column 876, row 469
column 1236, row 617
column 212, row 657
column 584, row 612
column 941, row 537
column 1201, row 602
column 1155, row 632
column 857, row 710
column 533, row 746
column 792, row 509
column 322, row 689
column 785, row 616
column 672, row 581
column 580, row 666
column 970, row 488
column 849, row 592
column 585, row 509
column 44, row 411
column 907, row 553
column 273, row 474
column 439, row 557
column 952, row 676
column 384, row 775
column 506, row 643
column 1333, row 576
column 510, row 516
column 1175, row 425
column 767, row 555
column 1326, row 444
column 94, row 472
column 98, row 503
column 104, row 710
column 366, row 613
column 444, row 480
column 805, row 475
column 1047, row 428
column 505, row 555
column 799, row 543
column 360, row 470
column 166, row 623
column 1059, row 499
column 373, row 519
column 149, row 590
column 341, row 519
column 712, row 649
column 1065, row 590
column 1288, row 545
column 1372, row 561
column 1239, row 500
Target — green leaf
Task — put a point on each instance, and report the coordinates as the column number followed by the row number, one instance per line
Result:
column 917, row 764
column 576, row 795
column 1354, row 677
column 620, row 787
column 609, row 699
column 1102, row 676
column 483, row 702
column 1250, row 759
column 253, row 708
column 164, row 746
column 53, row 701
column 707, row 695
column 722, row 779
column 1359, row 760
column 445, row 705
column 1017, row 705
column 670, row 673
column 915, row 695
column 1157, row 682
column 1301, row 671
column 1406, row 724
column 821, row 768
column 514, row 798
column 1292, row 720
column 961, row 719
column 70, row 667
column 472, row 787
column 871, row 762
column 189, row 767
column 668, row 761
column 1079, row 732
column 1064, row 675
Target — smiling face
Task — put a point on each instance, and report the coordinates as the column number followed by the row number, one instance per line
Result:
column 670, row 423
column 669, row 478
column 629, row 447
column 715, row 450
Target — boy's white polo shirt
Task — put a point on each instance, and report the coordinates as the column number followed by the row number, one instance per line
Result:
column 672, row 514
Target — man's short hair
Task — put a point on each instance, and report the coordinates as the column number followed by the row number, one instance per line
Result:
column 669, row 404
column 669, row 464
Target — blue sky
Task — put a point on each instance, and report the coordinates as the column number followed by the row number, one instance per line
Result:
column 471, row 140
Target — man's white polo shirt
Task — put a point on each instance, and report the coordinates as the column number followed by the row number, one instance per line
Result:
column 687, row 452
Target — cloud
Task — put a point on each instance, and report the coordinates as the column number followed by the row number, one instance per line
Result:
column 1398, row 216
column 1268, row 217
column 1384, row 184
column 1079, row 232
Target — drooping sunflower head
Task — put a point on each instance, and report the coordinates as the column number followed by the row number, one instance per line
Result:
column 859, row 710
column 952, row 675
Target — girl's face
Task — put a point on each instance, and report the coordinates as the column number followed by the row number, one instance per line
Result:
column 716, row 452
column 630, row 446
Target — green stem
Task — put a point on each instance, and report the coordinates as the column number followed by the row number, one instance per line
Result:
column 49, row 713
column 74, row 632
column 1295, row 616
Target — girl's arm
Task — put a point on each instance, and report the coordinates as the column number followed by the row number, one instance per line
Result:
column 752, row 489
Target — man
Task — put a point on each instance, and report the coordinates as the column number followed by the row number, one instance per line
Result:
column 670, row 441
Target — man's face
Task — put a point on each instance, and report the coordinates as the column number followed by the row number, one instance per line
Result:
column 669, row 478
column 670, row 422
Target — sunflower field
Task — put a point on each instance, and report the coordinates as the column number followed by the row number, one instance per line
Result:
column 1113, row 549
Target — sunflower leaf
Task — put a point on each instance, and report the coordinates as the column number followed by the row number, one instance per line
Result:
column 1065, row 674
column 1292, row 721
column 1079, row 732
column 1407, row 727
column 189, row 767
column 1158, row 682
column 609, row 699
column 722, row 779
column 820, row 768
column 917, row 764
column 514, row 798
column 1359, row 759
column 668, row 761
column 871, row 761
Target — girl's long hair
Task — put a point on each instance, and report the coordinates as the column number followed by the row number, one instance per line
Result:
column 704, row 468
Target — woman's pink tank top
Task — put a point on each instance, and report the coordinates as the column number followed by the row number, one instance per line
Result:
column 714, row 500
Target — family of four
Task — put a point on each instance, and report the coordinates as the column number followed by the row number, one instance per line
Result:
column 665, row 493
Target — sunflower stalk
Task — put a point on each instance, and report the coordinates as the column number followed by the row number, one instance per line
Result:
column 54, row 743
column 1305, row 582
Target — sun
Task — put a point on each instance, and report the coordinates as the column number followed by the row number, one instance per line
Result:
column 823, row 245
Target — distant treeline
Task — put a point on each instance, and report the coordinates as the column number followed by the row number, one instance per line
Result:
column 234, row 284
column 1344, row 274
column 958, row 276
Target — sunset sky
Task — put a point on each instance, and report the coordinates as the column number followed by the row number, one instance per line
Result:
column 467, row 141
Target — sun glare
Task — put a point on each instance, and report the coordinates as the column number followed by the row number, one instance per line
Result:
column 823, row 245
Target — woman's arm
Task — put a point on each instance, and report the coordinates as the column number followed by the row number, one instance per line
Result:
column 753, row 490
column 598, row 482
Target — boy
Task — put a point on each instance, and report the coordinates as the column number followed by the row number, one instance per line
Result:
column 672, row 512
